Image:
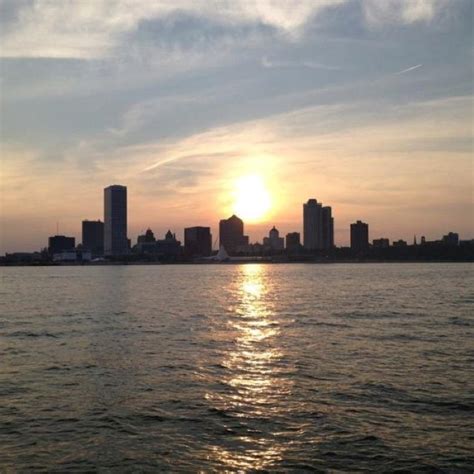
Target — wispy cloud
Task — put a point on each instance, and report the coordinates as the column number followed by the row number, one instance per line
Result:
column 94, row 29
column 99, row 28
column 382, row 12
column 412, row 68
column 275, row 63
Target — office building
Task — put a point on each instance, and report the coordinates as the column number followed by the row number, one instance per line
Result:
column 312, row 225
column 166, row 248
column 381, row 243
column 359, row 237
column 293, row 241
column 231, row 234
column 60, row 243
column 327, row 228
column 93, row 237
column 115, row 221
column 274, row 242
column 169, row 246
column 147, row 238
column 198, row 241
column 451, row 239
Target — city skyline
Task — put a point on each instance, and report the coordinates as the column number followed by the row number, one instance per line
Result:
column 363, row 104
column 110, row 237
column 215, row 231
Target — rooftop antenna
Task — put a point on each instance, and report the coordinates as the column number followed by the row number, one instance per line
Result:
column 57, row 228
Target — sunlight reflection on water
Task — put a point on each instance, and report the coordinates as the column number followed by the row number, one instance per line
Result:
column 237, row 368
column 252, row 362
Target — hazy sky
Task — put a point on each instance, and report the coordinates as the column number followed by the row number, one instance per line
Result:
column 365, row 105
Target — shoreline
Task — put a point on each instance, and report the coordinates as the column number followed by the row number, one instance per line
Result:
column 234, row 262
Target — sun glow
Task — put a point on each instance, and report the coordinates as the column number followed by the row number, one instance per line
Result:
column 252, row 199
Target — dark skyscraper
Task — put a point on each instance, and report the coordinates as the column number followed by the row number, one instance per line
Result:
column 198, row 241
column 59, row 243
column 313, row 237
column 93, row 237
column 231, row 234
column 328, row 228
column 293, row 241
column 115, row 221
column 359, row 237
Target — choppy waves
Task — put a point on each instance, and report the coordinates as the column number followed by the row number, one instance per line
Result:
column 237, row 368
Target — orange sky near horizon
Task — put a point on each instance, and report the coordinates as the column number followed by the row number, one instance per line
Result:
column 365, row 106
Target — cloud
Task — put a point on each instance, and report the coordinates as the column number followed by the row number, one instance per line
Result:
column 412, row 68
column 271, row 64
column 381, row 12
column 101, row 28
column 93, row 29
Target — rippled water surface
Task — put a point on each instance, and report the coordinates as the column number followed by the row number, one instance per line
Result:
column 228, row 367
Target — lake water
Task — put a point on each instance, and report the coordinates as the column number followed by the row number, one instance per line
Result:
column 237, row 367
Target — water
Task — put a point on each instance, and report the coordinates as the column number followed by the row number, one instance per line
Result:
column 228, row 367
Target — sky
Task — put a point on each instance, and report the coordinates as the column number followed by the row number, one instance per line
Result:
column 365, row 105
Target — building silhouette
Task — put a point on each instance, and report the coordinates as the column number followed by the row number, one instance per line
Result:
column 381, row 243
column 312, row 225
column 293, row 242
column 328, row 228
column 318, row 226
column 148, row 245
column 115, row 221
column 147, row 237
column 198, row 241
column 359, row 237
column 93, row 237
column 274, row 242
column 231, row 234
column 169, row 246
column 451, row 239
column 60, row 243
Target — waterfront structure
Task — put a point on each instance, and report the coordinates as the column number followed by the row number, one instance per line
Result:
column 169, row 246
column 293, row 242
column 231, row 234
column 93, row 237
column 381, row 243
column 60, row 243
column 146, row 243
column 147, row 237
column 115, row 221
column 318, row 226
column 312, row 225
column 451, row 239
column 198, row 241
column 274, row 242
column 166, row 248
column 327, row 228
column 359, row 237
column 74, row 255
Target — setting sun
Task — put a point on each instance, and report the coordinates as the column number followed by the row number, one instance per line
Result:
column 252, row 199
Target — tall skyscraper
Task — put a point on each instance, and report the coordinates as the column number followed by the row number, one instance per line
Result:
column 231, row 234
column 93, row 237
column 359, row 237
column 312, row 225
column 328, row 228
column 115, row 221
column 198, row 241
